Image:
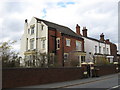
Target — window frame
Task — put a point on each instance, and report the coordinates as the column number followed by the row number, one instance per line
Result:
column 82, row 59
column 43, row 43
column 42, row 27
column 32, row 43
column 79, row 45
column 28, row 31
column 107, row 50
column 104, row 52
column 32, row 30
column 100, row 49
column 68, row 42
column 58, row 43
column 95, row 49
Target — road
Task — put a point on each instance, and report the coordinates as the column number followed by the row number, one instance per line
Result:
column 108, row 82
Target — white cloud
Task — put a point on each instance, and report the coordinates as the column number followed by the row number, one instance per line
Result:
column 99, row 16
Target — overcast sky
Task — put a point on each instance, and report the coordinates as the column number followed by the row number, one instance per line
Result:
column 99, row 16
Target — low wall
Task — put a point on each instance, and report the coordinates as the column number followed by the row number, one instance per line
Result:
column 19, row 77
column 105, row 70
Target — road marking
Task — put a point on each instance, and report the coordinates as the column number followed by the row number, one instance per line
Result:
column 116, row 86
column 92, row 81
column 113, row 87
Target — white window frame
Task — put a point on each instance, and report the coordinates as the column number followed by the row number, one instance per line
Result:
column 95, row 49
column 104, row 50
column 43, row 43
column 42, row 27
column 68, row 42
column 32, row 43
column 32, row 30
column 100, row 49
column 28, row 31
column 58, row 43
column 79, row 47
column 107, row 50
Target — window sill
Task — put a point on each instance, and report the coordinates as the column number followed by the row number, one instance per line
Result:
column 67, row 46
column 58, row 48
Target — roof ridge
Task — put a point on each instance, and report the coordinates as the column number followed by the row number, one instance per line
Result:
column 61, row 28
column 51, row 22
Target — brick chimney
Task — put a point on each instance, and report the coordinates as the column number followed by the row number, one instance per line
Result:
column 107, row 41
column 78, row 29
column 84, row 32
column 102, row 37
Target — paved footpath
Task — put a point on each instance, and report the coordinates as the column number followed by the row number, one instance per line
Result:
column 73, row 83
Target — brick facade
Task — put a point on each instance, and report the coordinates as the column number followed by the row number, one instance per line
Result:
column 113, row 49
column 53, row 35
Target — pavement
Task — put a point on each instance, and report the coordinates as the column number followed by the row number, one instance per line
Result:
column 95, row 82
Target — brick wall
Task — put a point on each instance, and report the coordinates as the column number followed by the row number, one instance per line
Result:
column 106, row 70
column 53, row 34
column 18, row 77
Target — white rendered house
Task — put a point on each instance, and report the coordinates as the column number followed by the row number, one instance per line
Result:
column 35, row 37
column 96, row 48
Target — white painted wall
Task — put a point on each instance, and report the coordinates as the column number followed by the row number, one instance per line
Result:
column 38, row 33
column 89, row 46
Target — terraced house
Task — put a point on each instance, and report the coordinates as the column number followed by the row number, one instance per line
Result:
column 41, row 36
column 57, row 40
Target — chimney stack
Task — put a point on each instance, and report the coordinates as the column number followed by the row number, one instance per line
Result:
column 25, row 26
column 102, row 37
column 78, row 29
column 84, row 32
column 107, row 41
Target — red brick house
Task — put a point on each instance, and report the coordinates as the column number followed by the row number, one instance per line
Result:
column 113, row 49
column 58, row 40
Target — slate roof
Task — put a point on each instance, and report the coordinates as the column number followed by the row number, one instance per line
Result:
column 60, row 28
column 95, row 39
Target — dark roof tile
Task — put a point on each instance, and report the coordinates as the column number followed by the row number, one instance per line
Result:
column 60, row 28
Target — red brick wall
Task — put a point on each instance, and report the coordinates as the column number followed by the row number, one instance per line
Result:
column 51, row 40
column 113, row 49
column 106, row 70
column 63, row 48
column 72, row 47
column 19, row 77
